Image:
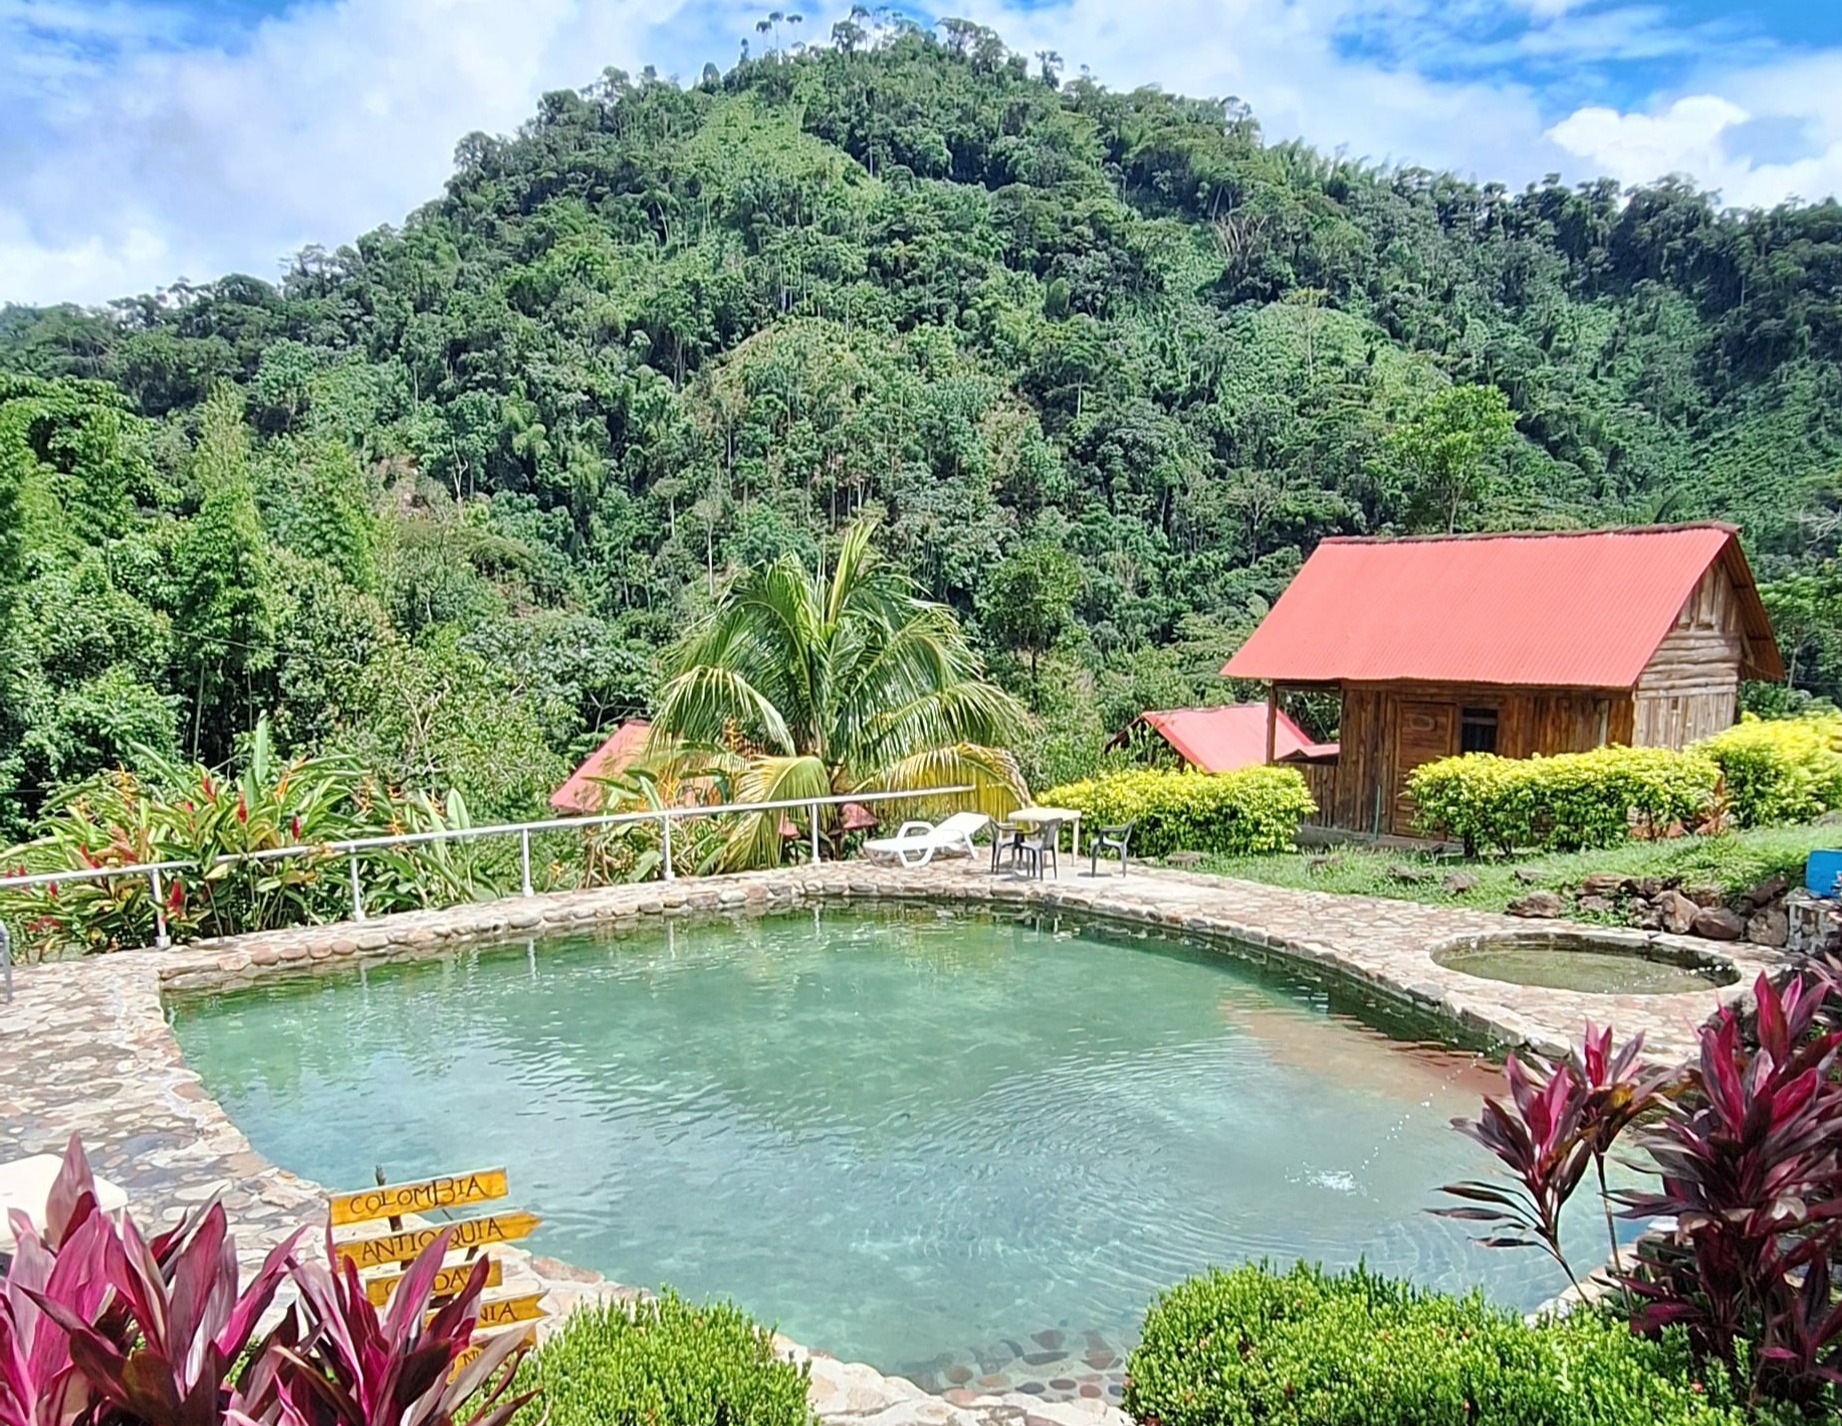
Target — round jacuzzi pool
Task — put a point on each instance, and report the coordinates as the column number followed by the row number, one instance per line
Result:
column 1581, row 962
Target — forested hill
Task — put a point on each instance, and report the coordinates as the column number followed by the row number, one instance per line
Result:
column 1071, row 344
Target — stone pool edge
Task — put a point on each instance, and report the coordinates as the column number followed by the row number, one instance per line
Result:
column 152, row 1126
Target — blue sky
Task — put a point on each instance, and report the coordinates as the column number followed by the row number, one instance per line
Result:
column 144, row 141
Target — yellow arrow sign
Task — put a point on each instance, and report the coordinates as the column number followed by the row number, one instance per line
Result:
column 504, row 1311
column 393, row 1200
column 468, row 1233
column 447, row 1282
column 527, row 1334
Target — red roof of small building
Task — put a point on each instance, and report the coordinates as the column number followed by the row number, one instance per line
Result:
column 1223, row 739
column 582, row 794
column 1572, row 609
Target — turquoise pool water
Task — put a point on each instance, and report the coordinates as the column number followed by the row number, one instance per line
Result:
column 900, row 1135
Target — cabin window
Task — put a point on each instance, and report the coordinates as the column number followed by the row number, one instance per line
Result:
column 1477, row 730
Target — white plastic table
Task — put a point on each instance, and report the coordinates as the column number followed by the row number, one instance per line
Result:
column 1036, row 816
column 25, row 1184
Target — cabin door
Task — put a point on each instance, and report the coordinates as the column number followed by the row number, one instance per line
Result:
column 1422, row 732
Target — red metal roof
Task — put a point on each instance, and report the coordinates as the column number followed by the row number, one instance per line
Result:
column 582, row 794
column 1223, row 739
column 1582, row 609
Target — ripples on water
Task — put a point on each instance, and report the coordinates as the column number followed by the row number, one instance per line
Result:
column 896, row 1134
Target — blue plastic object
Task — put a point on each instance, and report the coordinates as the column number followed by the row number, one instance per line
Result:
column 1821, row 873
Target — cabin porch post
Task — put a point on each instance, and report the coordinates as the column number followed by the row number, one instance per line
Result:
column 1272, row 719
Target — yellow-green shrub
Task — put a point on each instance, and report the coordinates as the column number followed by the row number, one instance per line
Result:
column 1781, row 770
column 1252, row 811
column 1251, row 1346
column 1564, row 802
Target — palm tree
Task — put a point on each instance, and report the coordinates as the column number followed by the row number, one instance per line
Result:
column 802, row 685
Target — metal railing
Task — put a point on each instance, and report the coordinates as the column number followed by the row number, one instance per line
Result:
column 354, row 848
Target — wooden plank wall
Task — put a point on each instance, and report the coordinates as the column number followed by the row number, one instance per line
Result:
column 1321, row 782
column 1691, row 686
column 1351, row 804
column 1529, row 721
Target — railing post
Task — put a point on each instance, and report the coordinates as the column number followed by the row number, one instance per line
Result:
column 665, row 838
column 358, row 896
column 161, row 939
column 812, row 810
column 524, row 857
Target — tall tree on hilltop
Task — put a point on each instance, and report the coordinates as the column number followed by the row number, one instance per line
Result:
column 1028, row 601
column 1448, row 453
column 222, row 625
column 807, row 685
column 336, row 524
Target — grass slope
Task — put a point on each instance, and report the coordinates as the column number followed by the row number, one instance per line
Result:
column 1733, row 862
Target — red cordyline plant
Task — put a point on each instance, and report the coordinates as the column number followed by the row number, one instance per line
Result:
column 100, row 1327
column 1617, row 1090
column 39, row 1383
column 354, row 1367
column 120, row 1331
column 1751, row 1168
column 1540, row 1138
column 1560, row 1121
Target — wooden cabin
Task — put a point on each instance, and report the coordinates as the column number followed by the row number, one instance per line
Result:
column 1513, row 644
column 1215, row 739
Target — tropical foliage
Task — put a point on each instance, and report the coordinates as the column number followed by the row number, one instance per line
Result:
column 802, row 685
column 102, row 1327
column 1744, row 1256
column 245, row 851
column 1308, row 1348
column 1244, row 813
column 1104, row 364
column 1564, row 802
column 1785, row 770
column 665, row 1362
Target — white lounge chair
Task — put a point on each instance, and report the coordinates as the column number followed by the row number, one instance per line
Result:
column 915, row 843
column 25, row 1185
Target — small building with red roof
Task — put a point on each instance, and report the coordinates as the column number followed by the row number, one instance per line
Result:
column 1517, row 644
column 584, row 793
column 1220, row 739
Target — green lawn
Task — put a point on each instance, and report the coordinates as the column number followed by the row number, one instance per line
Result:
column 1733, row 862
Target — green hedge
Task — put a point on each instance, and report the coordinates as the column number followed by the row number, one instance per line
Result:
column 1255, row 810
column 1564, row 802
column 1307, row 1349
column 665, row 1363
column 1782, row 770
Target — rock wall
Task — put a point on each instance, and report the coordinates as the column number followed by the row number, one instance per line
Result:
column 1813, row 922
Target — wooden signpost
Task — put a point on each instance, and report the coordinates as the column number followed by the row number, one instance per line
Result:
column 393, row 1200
column 468, row 1234
column 448, row 1281
column 380, row 1256
column 480, row 1344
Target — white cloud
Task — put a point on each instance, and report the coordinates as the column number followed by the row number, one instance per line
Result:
column 1284, row 57
column 138, row 146
column 1684, row 138
column 144, row 160
column 1711, row 135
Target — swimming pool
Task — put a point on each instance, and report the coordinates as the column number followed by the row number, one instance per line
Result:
column 912, row 1137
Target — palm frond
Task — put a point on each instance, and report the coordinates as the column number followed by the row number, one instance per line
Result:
column 755, row 839
column 992, row 773
column 836, row 680
column 964, row 712
column 704, row 703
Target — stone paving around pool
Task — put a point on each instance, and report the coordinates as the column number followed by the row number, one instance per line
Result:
column 87, row 1050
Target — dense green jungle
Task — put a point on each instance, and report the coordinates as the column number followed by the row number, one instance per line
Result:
column 1102, row 367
